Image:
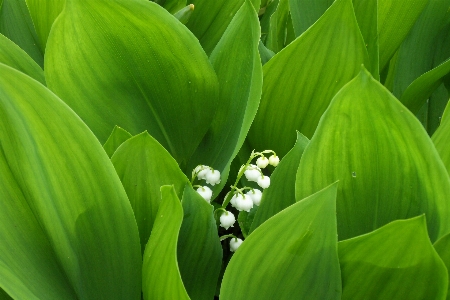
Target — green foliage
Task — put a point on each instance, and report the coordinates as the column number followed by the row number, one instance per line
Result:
column 222, row 87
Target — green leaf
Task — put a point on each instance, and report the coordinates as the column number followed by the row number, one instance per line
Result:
column 416, row 53
column 418, row 92
column 277, row 30
column 117, row 137
column 265, row 19
column 395, row 20
column 132, row 64
column 305, row 13
column 441, row 139
column 366, row 12
column 442, row 247
column 143, row 166
column 280, row 263
column 199, row 249
column 281, row 192
column 210, row 20
column 4, row 295
column 173, row 6
column 387, row 165
column 396, row 261
column 16, row 24
column 64, row 211
column 43, row 14
column 294, row 97
column 184, row 14
column 238, row 66
column 264, row 53
column 160, row 275
column 13, row 56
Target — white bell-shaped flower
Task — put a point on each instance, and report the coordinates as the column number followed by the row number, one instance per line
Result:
column 274, row 160
column 262, row 162
column 264, row 181
column 252, row 173
column 205, row 192
column 243, row 203
column 202, row 171
column 212, row 177
column 227, row 220
column 235, row 243
column 255, row 195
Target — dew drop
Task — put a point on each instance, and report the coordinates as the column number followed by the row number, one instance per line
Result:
column 353, row 174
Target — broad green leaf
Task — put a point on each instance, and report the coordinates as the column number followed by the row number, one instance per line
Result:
column 264, row 53
column 4, row 295
column 395, row 20
column 420, row 89
column 160, row 274
column 210, row 20
column 13, row 56
column 396, row 261
column 16, row 24
column 117, row 137
column 431, row 112
column 386, row 164
column 301, row 80
column 276, row 263
column 238, row 66
column 172, row 6
column 281, row 192
column 305, row 13
column 290, row 34
column 416, row 53
column 132, row 64
column 143, row 166
column 442, row 247
column 277, row 30
column 43, row 14
column 64, row 211
column 199, row 249
column 441, row 139
column 366, row 12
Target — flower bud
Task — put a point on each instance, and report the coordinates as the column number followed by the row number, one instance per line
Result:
column 255, row 195
column 213, row 177
column 274, row 160
column 264, row 181
column 205, row 192
column 243, row 203
column 262, row 162
column 227, row 220
column 235, row 243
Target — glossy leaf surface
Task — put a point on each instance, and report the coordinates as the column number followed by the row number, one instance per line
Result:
column 43, row 14
column 281, row 192
column 160, row 274
column 210, row 19
column 298, row 81
column 117, row 137
column 442, row 247
column 238, row 66
column 395, row 20
column 441, row 139
column 16, row 24
column 303, row 260
column 143, row 166
column 132, row 64
column 63, row 209
column 13, row 56
column 397, row 261
column 199, row 249
column 305, row 13
column 385, row 162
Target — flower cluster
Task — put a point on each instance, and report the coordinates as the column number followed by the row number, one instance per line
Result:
column 238, row 199
column 211, row 177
